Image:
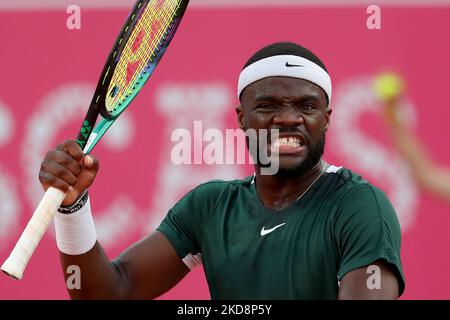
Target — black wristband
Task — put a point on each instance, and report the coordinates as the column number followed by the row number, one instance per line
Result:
column 77, row 205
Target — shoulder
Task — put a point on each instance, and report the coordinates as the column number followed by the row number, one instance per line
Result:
column 353, row 196
column 360, row 190
column 359, row 202
column 347, row 185
column 343, row 178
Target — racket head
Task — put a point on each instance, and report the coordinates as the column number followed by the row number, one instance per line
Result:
column 143, row 41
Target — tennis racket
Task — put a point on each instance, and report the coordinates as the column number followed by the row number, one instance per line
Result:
column 140, row 46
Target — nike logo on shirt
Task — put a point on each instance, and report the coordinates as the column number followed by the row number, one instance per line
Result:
column 265, row 231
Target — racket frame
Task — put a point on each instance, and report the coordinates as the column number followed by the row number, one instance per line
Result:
column 89, row 134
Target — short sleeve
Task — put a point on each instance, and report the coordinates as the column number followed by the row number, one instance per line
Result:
column 367, row 229
column 183, row 223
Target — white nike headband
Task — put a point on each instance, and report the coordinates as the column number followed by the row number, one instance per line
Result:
column 285, row 66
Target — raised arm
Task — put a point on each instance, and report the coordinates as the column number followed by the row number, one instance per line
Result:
column 428, row 174
column 144, row 271
column 389, row 88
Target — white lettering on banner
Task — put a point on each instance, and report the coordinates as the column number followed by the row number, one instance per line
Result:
column 208, row 102
column 62, row 106
column 9, row 202
column 9, row 207
column 6, row 125
column 121, row 134
column 55, row 110
column 117, row 222
column 353, row 99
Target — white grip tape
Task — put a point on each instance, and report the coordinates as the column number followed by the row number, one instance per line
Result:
column 42, row 217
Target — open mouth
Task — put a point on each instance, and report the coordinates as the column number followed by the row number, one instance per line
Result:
column 288, row 144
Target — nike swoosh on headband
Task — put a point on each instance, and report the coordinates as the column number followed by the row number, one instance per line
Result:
column 293, row 65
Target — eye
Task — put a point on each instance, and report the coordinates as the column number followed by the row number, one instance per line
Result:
column 266, row 107
column 308, row 107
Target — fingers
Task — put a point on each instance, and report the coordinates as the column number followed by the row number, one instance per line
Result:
column 62, row 158
column 69, row 170
column 63, row 167
column 49, row 180
column 72, row 148
column 89, row 170
column 91, row 163
column 59, row 171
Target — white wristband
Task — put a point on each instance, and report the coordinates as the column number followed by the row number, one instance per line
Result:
column 75, row 232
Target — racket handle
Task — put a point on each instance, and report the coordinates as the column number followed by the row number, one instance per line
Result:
column 42, row 217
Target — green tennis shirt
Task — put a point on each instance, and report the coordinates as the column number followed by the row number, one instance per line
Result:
column 251, row 252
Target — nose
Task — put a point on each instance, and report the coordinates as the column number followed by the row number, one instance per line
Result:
column 288, row 116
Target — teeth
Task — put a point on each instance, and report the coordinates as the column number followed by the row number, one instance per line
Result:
column 287, row 142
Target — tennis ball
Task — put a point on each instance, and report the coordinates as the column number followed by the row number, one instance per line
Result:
column 388, row 86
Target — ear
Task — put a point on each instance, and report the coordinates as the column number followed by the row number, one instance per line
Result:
column 240, row 116
column 328, row 113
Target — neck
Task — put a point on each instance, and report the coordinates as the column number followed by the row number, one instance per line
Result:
column 279, row 191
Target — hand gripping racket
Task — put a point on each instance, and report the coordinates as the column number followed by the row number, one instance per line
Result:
column 138, row 49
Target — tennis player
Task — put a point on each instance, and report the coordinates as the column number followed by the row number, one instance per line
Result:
column 310, row 231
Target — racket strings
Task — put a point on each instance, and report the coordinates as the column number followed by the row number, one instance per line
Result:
column 152, row 48
column 152, row 28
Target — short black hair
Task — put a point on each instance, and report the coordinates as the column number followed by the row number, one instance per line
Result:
column 285, row 48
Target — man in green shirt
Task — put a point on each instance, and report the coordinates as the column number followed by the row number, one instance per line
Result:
column 309, row 231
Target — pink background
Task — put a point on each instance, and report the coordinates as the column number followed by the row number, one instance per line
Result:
column 39, row 56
